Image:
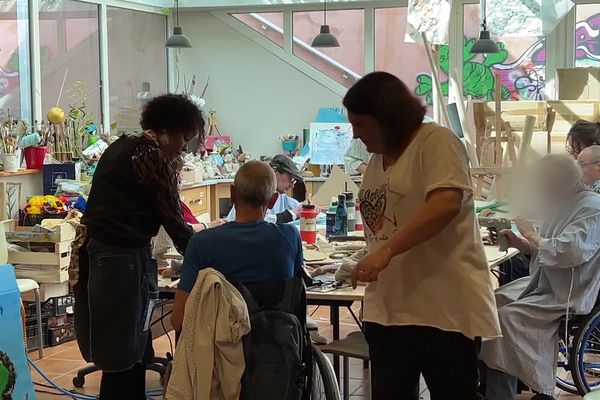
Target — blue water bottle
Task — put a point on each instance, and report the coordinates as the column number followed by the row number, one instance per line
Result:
column 341, row 217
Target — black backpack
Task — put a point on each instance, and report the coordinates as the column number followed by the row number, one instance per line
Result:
column 277, row 349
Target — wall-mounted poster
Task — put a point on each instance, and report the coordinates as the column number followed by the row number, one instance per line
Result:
column 329, row 142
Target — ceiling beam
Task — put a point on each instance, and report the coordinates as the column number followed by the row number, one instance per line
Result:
column 283, row 5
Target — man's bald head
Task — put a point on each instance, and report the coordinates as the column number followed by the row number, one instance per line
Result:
column 589, row 161
column 255, row 184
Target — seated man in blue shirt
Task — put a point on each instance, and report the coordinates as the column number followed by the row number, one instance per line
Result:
column 249, row 249
column 285, row 209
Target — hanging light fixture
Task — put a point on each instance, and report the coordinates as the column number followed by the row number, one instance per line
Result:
column 484, row 45
column 178, row 40
column 325, row 38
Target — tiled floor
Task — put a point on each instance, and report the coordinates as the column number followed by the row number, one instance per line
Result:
column 62, row 362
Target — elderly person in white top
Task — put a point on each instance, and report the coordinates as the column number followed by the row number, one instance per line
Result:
column 589, row 161
column 564, row 278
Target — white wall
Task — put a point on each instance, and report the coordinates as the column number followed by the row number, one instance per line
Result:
column 257, row 96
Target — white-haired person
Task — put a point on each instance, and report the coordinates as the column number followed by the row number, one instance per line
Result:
column 249, row 249
column 564, row 249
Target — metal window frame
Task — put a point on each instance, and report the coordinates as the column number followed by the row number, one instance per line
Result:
column 560, row 44
column 147, row 6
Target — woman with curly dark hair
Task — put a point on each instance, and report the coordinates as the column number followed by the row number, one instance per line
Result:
column 134, row 192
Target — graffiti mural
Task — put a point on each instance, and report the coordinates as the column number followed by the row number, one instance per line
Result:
column 522, row 79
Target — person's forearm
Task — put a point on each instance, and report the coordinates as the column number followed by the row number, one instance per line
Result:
column 361, row 169
column 534, row 241
column 433, row 218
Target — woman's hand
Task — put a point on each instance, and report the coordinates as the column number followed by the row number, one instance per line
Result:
column 526, row 228
column 216, row 222
column 516, row 242
column 368, row 269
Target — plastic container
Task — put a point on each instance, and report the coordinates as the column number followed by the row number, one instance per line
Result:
column 358, row 226
column 308, row 223
column 10, row 162
column 341, row 217
column 34, row 157
column 350, row 207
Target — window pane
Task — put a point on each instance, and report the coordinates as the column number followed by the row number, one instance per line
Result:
column 14, row 60
column 270, row 25
column 392, row 52
column 69, row 45
column 521, row 67
column 587, row 36
column 345, row 64
column 136, row 54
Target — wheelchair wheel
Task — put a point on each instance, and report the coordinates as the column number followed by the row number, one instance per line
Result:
column 324, row 385
column 586, row 354
column 564, row 376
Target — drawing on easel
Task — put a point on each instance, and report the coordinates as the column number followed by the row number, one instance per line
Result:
column 329, row 142
column 431, row 17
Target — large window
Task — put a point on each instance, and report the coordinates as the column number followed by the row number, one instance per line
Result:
column 521, row 64
column 392, row 52
column 587, row 37
column 136, row 57
column 270, row 25
column 14, row 60
column 69, row 46
column 346, row 63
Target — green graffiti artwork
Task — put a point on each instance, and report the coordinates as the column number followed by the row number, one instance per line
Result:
column 7, row 377
column 478, row 77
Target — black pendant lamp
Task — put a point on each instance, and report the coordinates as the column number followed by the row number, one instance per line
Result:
column 325, row 38
column 178, row 40
column 484, row 45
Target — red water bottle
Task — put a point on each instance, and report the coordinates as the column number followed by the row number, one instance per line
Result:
column 308, row 223
column 359, row 223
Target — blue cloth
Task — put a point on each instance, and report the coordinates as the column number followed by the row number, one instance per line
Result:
column 13, row 361
column 253, row 252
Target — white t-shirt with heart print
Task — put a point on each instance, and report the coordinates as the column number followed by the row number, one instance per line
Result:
column 445, row 282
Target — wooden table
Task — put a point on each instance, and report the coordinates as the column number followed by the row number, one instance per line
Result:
column 344, row 297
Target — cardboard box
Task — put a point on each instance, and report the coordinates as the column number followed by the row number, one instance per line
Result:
column 578, row 83
column 191, row 176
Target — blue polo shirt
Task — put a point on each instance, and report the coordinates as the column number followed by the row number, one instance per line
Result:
column 253, row 252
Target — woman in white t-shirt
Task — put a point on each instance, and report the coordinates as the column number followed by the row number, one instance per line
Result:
column 429, row 294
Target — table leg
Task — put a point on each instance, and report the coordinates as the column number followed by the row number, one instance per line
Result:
column 334, row 319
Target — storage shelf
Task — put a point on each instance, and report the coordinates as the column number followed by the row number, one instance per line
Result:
column 19, row 172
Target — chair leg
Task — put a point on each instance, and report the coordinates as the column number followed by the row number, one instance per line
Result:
column 38, row 311
column 370, row 387
column 346, row 378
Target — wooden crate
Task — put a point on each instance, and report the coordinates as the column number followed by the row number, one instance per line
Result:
column 49, row 254
column 47, row 290
column 23, row 234
column 42, row 273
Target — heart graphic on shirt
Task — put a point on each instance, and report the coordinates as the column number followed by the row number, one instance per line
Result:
column 372, row 208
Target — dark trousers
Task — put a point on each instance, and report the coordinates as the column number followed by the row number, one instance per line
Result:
column 400, row 354
column 113, row 319
column 129, row 384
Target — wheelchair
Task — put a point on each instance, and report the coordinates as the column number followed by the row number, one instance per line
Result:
column 578, row 367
